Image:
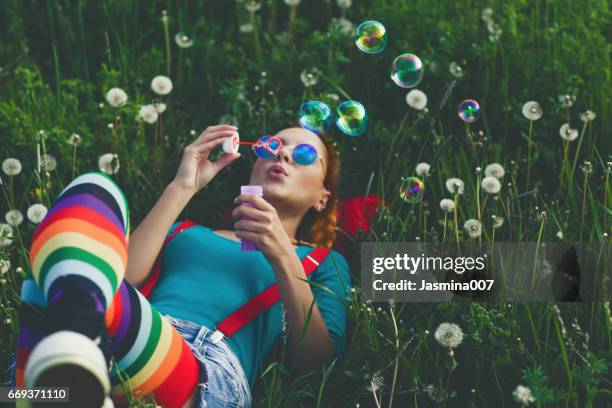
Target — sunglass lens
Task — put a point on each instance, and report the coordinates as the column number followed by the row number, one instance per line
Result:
column 261, row 148
column 304, row 154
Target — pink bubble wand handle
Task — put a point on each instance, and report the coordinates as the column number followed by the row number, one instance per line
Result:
column 247, row 245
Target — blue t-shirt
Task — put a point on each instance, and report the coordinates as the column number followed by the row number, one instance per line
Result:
column 205, row 277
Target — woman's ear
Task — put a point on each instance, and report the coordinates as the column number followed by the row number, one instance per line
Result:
column 322, row 202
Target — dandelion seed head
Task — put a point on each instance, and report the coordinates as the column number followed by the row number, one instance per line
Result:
column 310, row 77
column 36, row 213
column 568, row 133
column 345, row 4
column 532, row 110
column 74, row 139
column 587, row 116
column 416, row 99
column 48, row 162
column 148, row 114
column 523, row 395
column 109, row 163
column 587, row 167
column 491, row 185
column 567, row 100
column 473, row 228
column 455, row 70
column 455, row 185
column 494, row 170
column 183, row 40
column 449, row 335
column 14, row 217
column 160, row 107
column 498, row 222
column 116, row 97
column 447, row 205
column 343, row 25
column 161, row 85
column 11, row 166
column 246, row 28
column 422, row 169
column 252, row 6
column 6, row 234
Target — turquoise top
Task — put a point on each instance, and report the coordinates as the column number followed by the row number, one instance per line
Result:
column 205, row 277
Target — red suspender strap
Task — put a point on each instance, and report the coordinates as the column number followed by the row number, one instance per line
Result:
column 147, row 288
column 264, row 300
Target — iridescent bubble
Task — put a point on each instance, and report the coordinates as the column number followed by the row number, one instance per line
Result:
column 371, row 37
column 411, row 190
column 407, row 70
column 351, row 118
column 469, row 110
column 315, row 116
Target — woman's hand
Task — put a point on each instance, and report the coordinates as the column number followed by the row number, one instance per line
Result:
column 264, row 227
column 195, row 170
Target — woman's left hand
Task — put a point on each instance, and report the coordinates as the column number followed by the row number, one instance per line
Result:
column 264, row 227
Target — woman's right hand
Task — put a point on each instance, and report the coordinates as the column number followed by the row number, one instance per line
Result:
column 195, row 170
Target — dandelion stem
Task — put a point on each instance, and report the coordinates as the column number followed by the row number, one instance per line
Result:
column 578, row 148
column 74, row 147
column 455, row 216
column 167, row 41
column 444, row 233
column 529, row 143
column 292, row 12
column 584, row 190
column 397, row 351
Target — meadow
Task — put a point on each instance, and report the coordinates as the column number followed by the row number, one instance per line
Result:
column 534, row 167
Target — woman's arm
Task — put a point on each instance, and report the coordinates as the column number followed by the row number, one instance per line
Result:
column 146, row 241
column 194, row 172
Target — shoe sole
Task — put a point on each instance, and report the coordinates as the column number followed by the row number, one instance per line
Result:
column 69, row 359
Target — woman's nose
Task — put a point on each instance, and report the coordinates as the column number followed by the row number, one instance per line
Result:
column 283, row 154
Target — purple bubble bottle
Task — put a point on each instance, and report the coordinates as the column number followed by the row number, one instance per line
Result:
column 247, row 245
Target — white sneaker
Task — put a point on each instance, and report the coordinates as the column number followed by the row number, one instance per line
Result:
column 67, row 358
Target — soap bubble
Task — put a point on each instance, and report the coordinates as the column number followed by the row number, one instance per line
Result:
column 469, row 110
column 371, row 37
column 351, row 118
column 315, row 116
column 407, row 70
column 411, row 190
column 267, row 147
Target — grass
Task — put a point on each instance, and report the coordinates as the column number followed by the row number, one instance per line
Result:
column 59, row 58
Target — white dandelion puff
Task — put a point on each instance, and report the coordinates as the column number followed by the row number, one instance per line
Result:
column 310, row 77
column 109, row 163
column 523, row 395
column 148, row 114
column 6, row 235
column 422, row 169
column 455, row 185
column 486, row 14
column 495, row 170
column 48, row 162
column 5, row 265
column 292, row 3
column 345, row 4
column 447, row 204
column 160, row 107
column 491, row 185
column 252, row 6
column 567, row 100
column 560, row 234
column 455, row 70
column 498, row 222
column 14, row 217
column 568, row 133
column 74, row 139
column 416, row 99
column 183, row 40
column 11, row 166
column 532, row 110
column 449, row 335
column 473, row 228
column 161, row 85
column 246, row 28
column 116, row 97
column 36, row 213
column 587, row 116
column 343, row 25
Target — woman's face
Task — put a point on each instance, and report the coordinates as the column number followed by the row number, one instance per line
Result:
column 288, row 183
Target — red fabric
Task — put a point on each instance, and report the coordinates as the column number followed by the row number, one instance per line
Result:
column 269, row 296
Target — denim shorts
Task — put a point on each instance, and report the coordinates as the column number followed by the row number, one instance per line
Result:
column 223, row 382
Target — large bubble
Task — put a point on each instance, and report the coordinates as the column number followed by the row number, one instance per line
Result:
column 407, row 70
column 469, row 110
column 315, row 116
column 411, row 190
column 351, row 118
column 371, row 37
